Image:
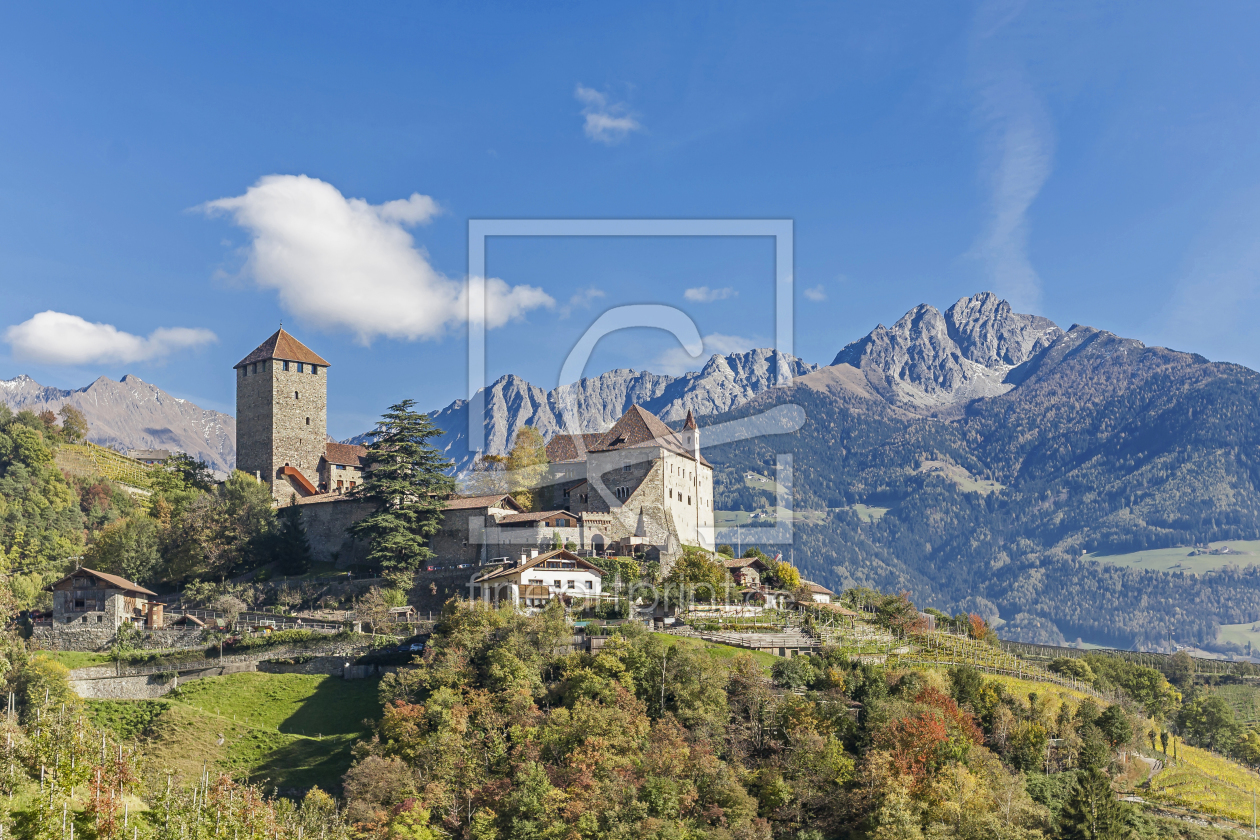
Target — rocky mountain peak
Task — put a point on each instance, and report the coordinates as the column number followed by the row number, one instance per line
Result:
column 511, row 402
column 929, row 360
column 987, row 331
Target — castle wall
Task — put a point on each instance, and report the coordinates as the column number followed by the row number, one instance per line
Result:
column 300, row 418
column 281, row 419
column 326, row 522
column 656, row 507
column 688, row 495
column 254, row 422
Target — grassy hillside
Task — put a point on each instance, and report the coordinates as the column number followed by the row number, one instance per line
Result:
column 1180, row 559
column 291, row 730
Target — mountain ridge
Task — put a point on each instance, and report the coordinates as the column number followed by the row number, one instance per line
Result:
column 133, row 414
column 512, row 402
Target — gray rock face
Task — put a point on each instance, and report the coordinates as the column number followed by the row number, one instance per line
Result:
column 132, row 414
column 928, row 360
column 511, row 402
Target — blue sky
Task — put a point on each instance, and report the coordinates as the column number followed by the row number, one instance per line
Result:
column 1095, row 163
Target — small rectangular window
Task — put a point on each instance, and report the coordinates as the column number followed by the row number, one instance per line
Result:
column 284, row 365
column 244, row 371
column 315, row 369
column 308, row 421
column 253, row 368
column 299, row 367
column 295, row 395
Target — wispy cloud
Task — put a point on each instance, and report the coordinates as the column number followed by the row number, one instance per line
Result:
column 606, row 121
column 703, row 294
column 1213, row 304
column 1018, row 155
column 817, row 294
column 344, row 264
column 676, row 362
column 582, row 299
column 56, row 338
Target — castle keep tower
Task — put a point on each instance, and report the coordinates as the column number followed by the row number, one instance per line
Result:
column 282, row 416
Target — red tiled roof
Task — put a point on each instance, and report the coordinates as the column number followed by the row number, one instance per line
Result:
column 817, row 587
column 472, row 502
column 640, row 427
column 345, row 453
column 281, row 345
column 115, row 580
column 562, row 448
column 743, row 563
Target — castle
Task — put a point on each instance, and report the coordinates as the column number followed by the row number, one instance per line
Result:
column 638, row 489
column 282, row 423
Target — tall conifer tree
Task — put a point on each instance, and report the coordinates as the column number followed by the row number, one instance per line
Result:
column 405, row 476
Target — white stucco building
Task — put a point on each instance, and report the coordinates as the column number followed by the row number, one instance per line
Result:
column 531, row 582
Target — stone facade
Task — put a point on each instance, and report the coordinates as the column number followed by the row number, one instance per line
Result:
column 88, row 599
column 655, row 493
column 657, row 489
column 325, row 519
column 497, row 531
column 93, row 637
column 282, row 416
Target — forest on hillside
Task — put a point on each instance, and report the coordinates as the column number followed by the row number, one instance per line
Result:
column 1100, row 451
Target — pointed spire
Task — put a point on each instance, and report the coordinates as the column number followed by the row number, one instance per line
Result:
column 691, row 420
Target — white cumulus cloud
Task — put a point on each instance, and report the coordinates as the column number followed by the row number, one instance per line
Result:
column 676, row 362
column 817, row 294
column 703, row 294
column 56, row 338
column 606, row 122
column 344, row 264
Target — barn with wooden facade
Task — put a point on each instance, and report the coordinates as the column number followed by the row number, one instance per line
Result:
column 86, row 596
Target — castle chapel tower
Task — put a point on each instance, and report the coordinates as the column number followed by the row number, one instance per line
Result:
column 282, row 416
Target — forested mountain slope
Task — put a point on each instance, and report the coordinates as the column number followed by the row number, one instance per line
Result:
column 1101, row 444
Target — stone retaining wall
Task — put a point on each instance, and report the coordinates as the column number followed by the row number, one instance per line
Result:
column 332, row 666
column 91, row 684
column 149, row 687
column 72, row 637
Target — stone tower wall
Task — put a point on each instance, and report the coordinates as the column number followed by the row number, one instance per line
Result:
column 254, row 422
column 301, row 422
column 281, row 419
